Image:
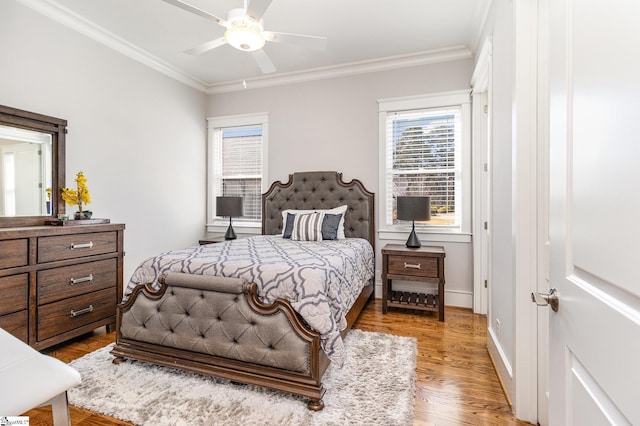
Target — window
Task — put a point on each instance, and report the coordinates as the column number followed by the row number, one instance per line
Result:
column 237, row 147
column 423, row 144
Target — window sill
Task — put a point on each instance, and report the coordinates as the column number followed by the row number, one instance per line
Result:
column 253, row 228
column 431, row 235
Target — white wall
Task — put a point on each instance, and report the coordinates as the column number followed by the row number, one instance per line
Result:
column 502, row 286
column 332, row 124
column 139, row 136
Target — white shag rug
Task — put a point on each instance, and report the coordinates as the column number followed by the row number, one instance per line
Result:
column 375, row 386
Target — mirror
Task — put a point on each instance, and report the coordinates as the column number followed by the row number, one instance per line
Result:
column 32, row 167
column 25, row 172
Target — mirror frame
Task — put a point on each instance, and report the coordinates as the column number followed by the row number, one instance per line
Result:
column 57, row 128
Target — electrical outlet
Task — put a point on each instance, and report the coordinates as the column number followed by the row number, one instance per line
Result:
column 498, row 328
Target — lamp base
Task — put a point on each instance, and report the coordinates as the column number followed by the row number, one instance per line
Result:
column 413, row 241
column 230, row 234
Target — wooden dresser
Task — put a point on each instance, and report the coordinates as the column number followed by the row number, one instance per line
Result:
column 58, row 282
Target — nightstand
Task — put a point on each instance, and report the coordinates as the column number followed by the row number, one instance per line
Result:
column 211, row 239
column 424, row 264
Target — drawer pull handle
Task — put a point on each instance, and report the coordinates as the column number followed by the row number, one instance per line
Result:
column 411, row 265
column 73, row 281
column 81, row 246
column 81, row 311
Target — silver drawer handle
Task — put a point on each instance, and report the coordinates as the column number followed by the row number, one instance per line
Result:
column 411, row 265
column 81, row 246
column 81, row 311
column 73, row 281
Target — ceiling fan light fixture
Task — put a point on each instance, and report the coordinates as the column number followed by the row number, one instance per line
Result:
column 244, row 33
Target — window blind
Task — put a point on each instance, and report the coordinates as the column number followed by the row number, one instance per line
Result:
column 423, row 159
column 238, row 165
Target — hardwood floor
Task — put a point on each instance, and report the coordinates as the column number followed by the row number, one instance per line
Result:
column 455, row 380
column 456, row 383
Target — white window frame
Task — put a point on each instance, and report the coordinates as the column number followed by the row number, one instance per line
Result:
column 214, row 223
column 461, row 232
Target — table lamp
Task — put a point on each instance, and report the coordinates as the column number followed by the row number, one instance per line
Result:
column 414, row 208
column 232, row 207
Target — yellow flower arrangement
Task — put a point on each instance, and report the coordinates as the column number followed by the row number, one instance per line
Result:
column 78, row 197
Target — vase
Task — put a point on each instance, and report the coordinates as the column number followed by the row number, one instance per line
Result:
column 85, row 214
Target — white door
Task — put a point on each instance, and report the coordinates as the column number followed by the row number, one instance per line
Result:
column 595, row 211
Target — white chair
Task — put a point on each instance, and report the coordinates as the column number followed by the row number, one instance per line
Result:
column 29, row 379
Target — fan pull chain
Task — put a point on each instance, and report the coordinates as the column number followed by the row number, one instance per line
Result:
column 243, row 66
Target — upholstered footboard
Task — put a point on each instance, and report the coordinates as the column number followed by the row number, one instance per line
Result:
column 217, row 326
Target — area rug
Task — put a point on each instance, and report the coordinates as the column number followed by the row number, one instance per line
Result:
column 376, row 385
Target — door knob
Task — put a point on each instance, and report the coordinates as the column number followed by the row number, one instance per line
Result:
column 547, row 299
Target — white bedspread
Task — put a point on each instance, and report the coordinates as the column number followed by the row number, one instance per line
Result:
column 320, row 279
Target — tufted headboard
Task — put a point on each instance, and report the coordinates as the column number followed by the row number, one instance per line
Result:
column 320, row 190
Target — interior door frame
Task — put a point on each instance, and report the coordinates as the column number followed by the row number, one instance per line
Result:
column 543, row 243
column 525, row 205
column 481, row 83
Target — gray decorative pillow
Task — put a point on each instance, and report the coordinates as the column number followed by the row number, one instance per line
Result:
column 307, row 227
column 330, row 226
column 288, row 228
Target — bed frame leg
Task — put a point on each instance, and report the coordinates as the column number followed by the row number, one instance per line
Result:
column 117, row 360
column 315, row 404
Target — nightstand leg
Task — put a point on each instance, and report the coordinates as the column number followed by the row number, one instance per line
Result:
column 441, row 300
column 385, row 293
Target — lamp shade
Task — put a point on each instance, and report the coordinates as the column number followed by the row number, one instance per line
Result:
column 414, row 208
column 229, row 206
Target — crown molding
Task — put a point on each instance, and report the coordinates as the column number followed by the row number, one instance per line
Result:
column 383, row 64
column 481, row 73
column 72, row 20
column 480, row 21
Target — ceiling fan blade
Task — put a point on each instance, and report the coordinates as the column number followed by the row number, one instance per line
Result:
column 311, row 42
column 257, row 8
column 205, row 47
column 197, row 11
column 263, row 61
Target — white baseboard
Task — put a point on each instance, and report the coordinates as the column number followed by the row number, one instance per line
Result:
column 502, row 365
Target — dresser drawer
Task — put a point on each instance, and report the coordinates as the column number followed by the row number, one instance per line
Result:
column 14, row 253
column 63, row 247
column 60, row 283
column 413, row 266
column 16, row 324
column 13, row 293
column 66, row 315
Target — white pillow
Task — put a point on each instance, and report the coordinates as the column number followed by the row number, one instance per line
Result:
column 336, row 210
column 307, row 227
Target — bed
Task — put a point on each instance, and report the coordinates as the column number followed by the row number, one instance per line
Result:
column 260, row 310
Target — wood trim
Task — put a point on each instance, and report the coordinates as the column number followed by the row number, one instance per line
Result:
column 57, row 128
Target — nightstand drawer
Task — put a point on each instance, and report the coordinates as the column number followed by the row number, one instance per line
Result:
column 74, row 246
column 66, row 315
column 61, row 283
column 413, row 266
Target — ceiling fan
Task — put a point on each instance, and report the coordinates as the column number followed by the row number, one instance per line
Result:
column 245, row 32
